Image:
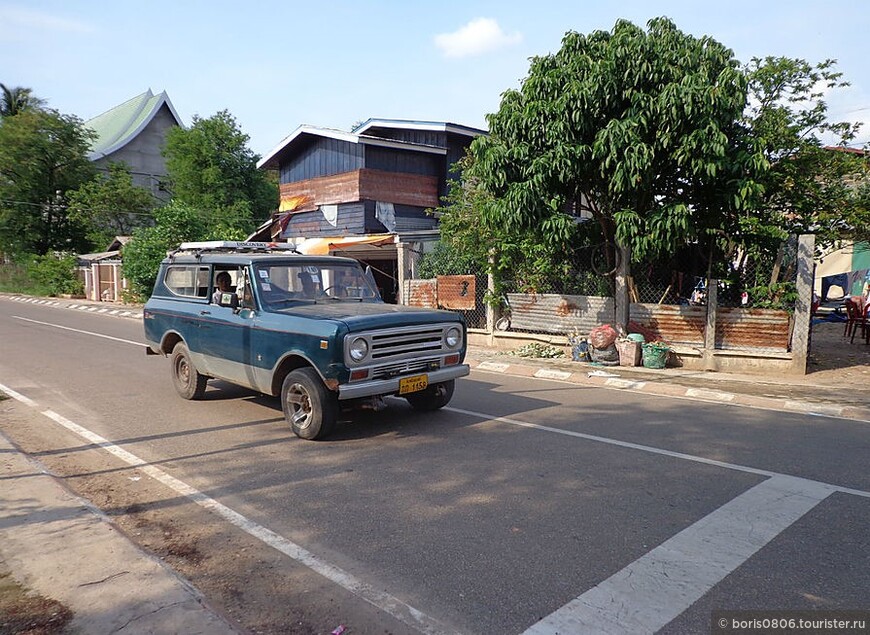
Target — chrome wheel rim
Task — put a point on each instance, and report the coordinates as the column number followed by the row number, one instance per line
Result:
column 182, row 370
column 298, row 405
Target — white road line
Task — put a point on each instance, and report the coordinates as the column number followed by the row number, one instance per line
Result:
column 654, row 589
column 647, row 448
column 379, row 599
column 67, row 328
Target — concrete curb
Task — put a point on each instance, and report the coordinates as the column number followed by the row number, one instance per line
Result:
column 598, row 378
column 91, row 307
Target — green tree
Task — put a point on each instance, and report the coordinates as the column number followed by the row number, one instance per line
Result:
column 811, row 187
column 17, row 99
column 212, row 169
column 43, row 156
column 111, row 205
column 174, row 224
column 641, row 129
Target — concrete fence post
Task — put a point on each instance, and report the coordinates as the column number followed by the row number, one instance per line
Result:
column 803, row 310
column 710, row 326
column 621, row 299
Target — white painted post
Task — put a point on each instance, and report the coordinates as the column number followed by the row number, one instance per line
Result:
column 710, row 327
column 803, row 310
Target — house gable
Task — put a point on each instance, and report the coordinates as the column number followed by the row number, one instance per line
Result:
column 134, row 133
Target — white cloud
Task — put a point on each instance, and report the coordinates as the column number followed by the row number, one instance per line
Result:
column 481, row 35
column 16, row 23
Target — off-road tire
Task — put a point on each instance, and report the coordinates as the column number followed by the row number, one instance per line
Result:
column 188, row 382
column 309, row 407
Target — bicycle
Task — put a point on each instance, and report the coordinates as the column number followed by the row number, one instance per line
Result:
column 503, row 323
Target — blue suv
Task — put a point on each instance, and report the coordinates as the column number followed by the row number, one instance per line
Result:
column 310, row 329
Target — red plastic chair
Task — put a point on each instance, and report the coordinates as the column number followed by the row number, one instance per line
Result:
column 856, row 316
column 851, row 317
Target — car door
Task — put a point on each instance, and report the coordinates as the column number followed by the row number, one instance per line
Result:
column 225, row 333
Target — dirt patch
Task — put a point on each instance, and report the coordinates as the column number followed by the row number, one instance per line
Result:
column 23, row 612
column 835, row 360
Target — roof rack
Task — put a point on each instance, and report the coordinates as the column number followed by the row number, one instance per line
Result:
column 232, row 246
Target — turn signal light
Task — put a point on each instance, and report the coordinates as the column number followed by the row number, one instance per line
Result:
column 451, row 360
column 356, row 375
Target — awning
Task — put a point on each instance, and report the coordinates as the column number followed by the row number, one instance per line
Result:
column 323, row 246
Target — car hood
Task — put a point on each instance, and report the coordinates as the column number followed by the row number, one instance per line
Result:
column 361, row 316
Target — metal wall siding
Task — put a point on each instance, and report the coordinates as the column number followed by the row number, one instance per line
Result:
column 408, row 218
column 323, row 157
column 390, row 160
column 350, row 220
column 457, row 292
column 678, row 324
column 553, row 313
column 757, row 329
column 422, row 293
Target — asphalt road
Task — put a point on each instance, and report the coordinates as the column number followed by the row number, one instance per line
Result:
column 499, row 511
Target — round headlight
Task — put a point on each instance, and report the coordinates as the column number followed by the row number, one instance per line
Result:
column 359, row 348
column 453, row 337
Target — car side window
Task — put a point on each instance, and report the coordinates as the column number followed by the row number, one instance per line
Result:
column 188, row 281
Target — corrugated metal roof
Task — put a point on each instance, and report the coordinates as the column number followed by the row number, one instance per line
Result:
column 411, row 124
column 270, row 161
column 120, row 125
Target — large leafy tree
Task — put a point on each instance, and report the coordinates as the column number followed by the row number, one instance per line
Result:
column 211, row 169
column 111, row 205
column 641, row 129
column 816, row 183
column 43, row 156
column 14, row 100
column 174, row 224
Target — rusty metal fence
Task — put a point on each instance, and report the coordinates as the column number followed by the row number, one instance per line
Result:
column 751, row 308
column 464, row 294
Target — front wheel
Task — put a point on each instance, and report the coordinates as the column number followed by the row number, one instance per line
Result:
column 188, row 382
column 434, row 397
column 309, row 407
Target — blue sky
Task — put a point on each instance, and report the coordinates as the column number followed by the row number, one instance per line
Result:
column 276, row 65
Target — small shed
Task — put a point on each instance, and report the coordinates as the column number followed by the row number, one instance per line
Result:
column 101, row 272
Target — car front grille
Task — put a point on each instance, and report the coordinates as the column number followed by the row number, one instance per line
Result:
column 403, row 349
column 404, row 368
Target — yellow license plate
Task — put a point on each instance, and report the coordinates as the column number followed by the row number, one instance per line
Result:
column 413, row 384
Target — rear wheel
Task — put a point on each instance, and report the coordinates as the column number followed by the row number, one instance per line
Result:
column 434, row 397
column 188, row 382
column 309, row 407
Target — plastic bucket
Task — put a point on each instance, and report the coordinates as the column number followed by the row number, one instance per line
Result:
column 655, row 355
column 636, row 337
column 629, row 353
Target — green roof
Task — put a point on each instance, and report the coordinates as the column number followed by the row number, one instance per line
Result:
column 120, row 125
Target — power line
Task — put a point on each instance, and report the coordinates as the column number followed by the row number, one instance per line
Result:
column 88, row 209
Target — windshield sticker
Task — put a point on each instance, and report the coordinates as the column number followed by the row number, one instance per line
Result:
column 265, row 286
column 263, row 273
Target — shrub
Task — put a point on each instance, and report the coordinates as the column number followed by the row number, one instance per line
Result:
column 55, row 274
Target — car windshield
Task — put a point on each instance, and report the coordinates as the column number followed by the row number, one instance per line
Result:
column 284, row 284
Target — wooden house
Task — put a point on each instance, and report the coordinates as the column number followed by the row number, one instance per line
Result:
column 365, row 193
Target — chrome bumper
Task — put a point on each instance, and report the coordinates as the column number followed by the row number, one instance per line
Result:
column 391, row 386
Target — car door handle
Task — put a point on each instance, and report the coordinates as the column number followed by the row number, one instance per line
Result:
column 205, row 312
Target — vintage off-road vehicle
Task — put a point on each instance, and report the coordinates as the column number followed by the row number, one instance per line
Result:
column 310, row 329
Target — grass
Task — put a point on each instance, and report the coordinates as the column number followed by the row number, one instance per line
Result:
column 14, row 279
